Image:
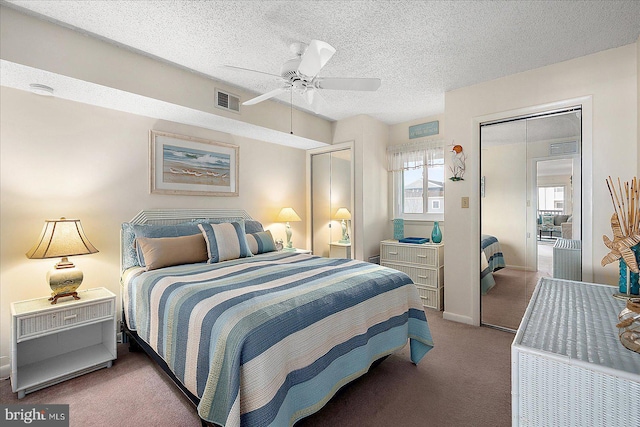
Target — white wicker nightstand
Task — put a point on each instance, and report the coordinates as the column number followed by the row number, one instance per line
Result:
column 53, row 343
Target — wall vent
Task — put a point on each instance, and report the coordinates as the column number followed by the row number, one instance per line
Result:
column 227, row 101
column 562, row 148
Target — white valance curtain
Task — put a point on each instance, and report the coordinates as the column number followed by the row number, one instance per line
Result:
column 414, row 154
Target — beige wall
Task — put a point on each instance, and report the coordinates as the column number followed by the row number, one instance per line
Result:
column 62, row 158
column 608, row 82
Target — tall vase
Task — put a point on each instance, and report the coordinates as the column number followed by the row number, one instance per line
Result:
column 436, row 234
column 398, row 228
column 634, row 278
column 622, row 281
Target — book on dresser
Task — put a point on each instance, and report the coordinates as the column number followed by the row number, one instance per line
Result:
column 423, row 263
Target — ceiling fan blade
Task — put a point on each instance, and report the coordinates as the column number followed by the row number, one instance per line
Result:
column 250, row 70
column 315, row 100
column 266, row 96
column 318, row 53
column 339, row 83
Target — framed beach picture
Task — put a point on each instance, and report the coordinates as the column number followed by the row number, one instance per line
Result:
column 192, row 166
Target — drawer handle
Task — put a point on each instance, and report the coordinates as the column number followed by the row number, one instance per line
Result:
column 393, row 253
column 73, row 316
column 422, row 256
column 422, row 277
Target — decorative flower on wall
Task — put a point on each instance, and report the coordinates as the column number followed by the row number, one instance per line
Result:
column 458, row 159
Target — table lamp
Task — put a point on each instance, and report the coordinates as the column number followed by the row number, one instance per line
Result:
column 288, row 215
column 62, row 238
column 344, row 215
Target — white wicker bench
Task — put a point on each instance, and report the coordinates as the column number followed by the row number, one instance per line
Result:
column 568, row 365
column 567, row 259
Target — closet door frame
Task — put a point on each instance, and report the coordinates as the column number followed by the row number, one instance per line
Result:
column 586, row 102
column 348, row 145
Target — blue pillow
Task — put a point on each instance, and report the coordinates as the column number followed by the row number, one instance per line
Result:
column 251, row 226
column 261, row 242
column 225, row 241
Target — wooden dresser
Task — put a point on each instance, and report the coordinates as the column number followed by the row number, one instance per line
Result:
column 423, row 263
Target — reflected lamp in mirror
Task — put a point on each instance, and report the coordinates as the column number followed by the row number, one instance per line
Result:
column 288, row 215
column 62, row 238
column 343, row 215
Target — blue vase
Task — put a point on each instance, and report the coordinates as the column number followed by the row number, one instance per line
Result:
column 634, row 278
column 436, row 234
column 622, row 281
column 398, row 228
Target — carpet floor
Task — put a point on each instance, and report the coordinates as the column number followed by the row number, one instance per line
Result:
column 505, row 304
column 463, row 381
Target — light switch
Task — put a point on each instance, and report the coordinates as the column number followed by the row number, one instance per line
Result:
column 465, row 202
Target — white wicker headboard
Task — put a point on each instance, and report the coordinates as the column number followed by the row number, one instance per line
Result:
column 176, row 216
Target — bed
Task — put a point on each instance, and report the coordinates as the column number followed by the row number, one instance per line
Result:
column 263, row 339
column 491, row 260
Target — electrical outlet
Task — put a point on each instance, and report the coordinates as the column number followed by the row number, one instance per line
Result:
column 465, row 202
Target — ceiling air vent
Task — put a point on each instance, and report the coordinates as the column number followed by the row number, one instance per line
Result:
column 227, row 101
column 561, row 148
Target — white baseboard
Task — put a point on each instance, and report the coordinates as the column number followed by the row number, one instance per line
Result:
column 458, row 318
column 520, row 267
column 5, row 371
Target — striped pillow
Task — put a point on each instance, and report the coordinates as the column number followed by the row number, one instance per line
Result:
column 225, row 241
column 261, row 242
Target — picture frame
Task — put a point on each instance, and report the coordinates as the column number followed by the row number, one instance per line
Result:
column 184, row 165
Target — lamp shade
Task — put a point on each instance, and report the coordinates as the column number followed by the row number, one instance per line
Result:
column 61, row 238
column 342, row 213
column 288, row 215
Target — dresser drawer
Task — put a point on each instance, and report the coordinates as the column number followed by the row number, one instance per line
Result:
column 419, row 275
column 39, row 324
column 427, row 256
column 431, row 297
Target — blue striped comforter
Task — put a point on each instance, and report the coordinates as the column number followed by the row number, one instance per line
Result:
column 492, row 260
column 270, row 339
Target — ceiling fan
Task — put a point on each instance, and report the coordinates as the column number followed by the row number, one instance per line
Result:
column 301, row 74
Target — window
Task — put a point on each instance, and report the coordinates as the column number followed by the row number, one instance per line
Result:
column 418, row 180
column 551, row 198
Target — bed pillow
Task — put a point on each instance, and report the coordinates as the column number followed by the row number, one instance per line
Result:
column 261, row 242
column 225, row 241
column 131, row 257
column 167, row 251
column 252, row 226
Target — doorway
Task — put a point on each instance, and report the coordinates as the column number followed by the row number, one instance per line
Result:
column 531, row 191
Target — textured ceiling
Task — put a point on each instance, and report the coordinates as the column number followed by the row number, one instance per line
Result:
column 418, row 49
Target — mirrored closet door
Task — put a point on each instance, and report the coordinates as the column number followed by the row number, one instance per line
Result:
column 331, row 203
column 530, row 201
